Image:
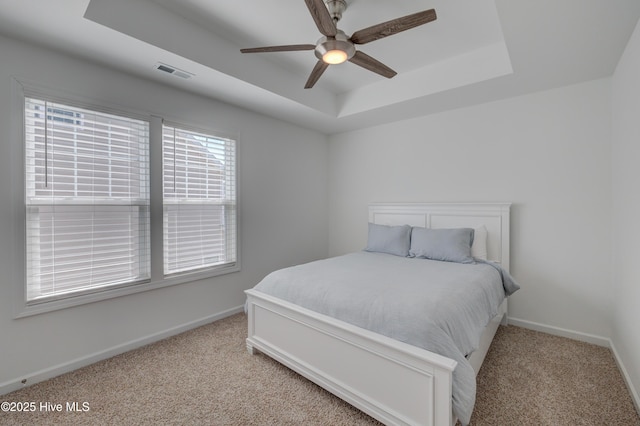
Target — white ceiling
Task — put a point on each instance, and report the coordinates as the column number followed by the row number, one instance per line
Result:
column 476, row 51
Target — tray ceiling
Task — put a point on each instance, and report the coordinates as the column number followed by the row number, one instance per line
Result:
column 476, row 51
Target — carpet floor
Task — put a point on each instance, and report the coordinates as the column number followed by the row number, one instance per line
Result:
column 206, row 377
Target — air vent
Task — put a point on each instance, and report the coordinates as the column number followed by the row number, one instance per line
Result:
column 173, row 71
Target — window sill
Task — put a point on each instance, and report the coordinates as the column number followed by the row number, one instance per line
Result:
column 27, row 310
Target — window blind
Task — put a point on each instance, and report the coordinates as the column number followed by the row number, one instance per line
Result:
column 87, row 200
column 199, row 201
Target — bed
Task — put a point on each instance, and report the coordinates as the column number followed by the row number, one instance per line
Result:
column 391, row 380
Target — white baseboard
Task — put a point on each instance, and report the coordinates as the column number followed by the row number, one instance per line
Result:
column 632, row 390
column 563, row 332
column 48, row 373
column 583, row 337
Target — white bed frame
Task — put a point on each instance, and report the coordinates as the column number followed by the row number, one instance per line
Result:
column 394, row 382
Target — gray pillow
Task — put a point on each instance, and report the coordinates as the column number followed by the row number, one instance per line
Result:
column 450, row 245
column 389, row 239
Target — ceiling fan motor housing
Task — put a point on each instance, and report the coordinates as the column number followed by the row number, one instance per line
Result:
column 339, row 42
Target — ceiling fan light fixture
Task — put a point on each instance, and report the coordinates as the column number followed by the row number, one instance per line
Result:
column 335, row 57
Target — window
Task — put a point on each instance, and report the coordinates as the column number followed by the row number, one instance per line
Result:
column 116, row 203
column 199, row 201
column 87, row 200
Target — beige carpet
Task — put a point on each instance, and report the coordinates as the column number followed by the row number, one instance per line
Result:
column 206, row 377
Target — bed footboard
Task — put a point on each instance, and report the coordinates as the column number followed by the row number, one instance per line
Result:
column 394, row 382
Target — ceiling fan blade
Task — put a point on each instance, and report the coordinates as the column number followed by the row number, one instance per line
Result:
column 322, row 17
column 285, row 48
column 392, row 27
column 315, row 74
column 366, row 61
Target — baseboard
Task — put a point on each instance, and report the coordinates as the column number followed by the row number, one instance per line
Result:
column 48, row 373
column 562, row 332
column 632, row 390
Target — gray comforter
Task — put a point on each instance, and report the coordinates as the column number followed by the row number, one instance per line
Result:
column 439, row 306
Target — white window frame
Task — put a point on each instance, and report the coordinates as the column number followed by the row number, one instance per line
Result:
column 59, row 185
column 228, row 204
column 21, row 89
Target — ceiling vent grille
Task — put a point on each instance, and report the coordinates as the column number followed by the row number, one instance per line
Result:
column 173, row 71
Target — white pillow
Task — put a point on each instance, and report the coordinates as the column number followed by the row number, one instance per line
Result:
column 479, row 246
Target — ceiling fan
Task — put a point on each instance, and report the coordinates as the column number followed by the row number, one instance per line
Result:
column 335, row 47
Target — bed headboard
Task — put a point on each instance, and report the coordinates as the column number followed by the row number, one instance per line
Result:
column 494, row 216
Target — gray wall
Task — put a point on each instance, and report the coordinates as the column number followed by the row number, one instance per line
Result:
column 626, row 210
